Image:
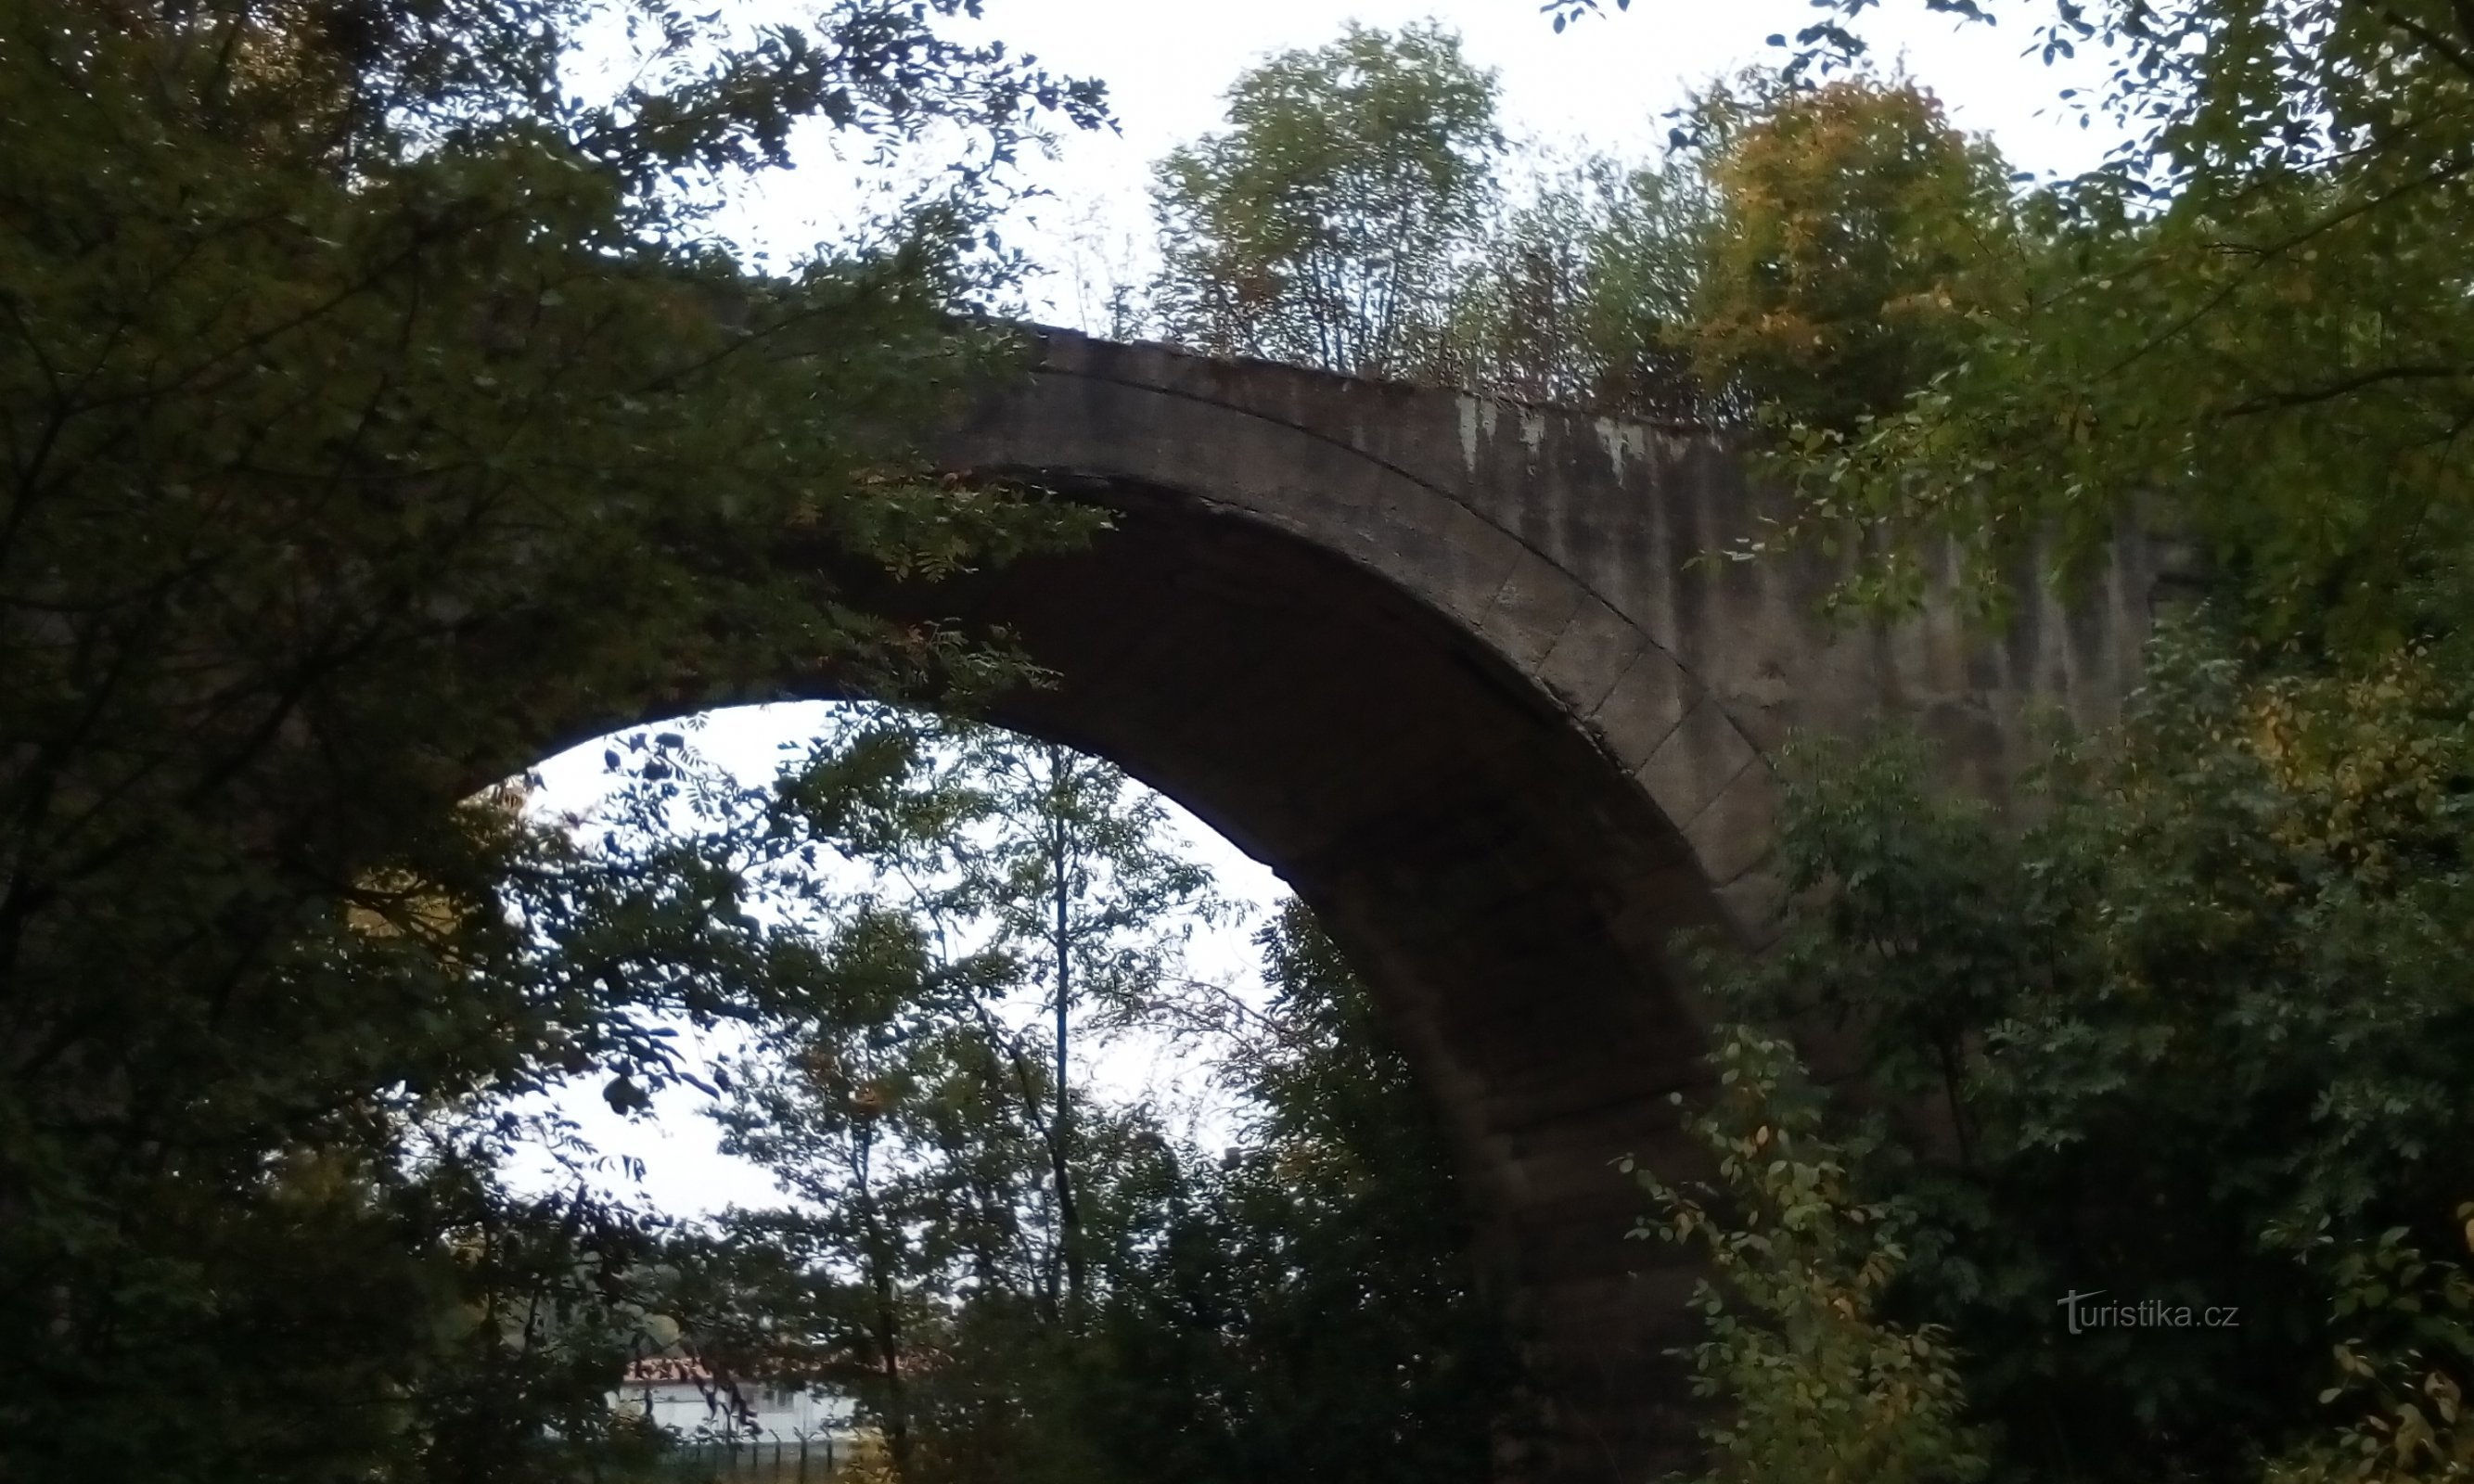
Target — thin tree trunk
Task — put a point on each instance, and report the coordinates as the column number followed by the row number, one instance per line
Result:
column 1069, row 1219
column 897, row 1411
column 890, row 1337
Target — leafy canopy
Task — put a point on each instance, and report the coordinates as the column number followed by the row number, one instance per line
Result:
column 1322, row 226
column 2209, row 1007
column 376, row 409
column 1855, row 231
column 2249, row 326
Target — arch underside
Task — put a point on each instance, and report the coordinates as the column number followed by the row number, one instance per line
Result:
column 1506, row 888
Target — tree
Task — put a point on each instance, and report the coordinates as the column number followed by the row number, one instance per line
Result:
column 1324, row 227
column 2247, row 327
column 1308, row 1306
column 1313, row 1309
column 1079, row 875
column 1818, row 1382
column 2208, row 1006
column 375, row 408
column 1856, row 230
column 951, row 1202
column 892, row 1124
column 1585, row 294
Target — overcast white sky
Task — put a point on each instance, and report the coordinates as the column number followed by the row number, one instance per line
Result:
column 1602, row 85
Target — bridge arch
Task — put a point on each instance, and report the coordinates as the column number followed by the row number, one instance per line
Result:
column 1504, row 883
column 1444, row 666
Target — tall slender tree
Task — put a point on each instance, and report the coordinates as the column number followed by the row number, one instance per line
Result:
column 1079, row 874
column 1309, row 1308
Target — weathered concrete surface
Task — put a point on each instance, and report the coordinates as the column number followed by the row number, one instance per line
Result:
column 1440, row 663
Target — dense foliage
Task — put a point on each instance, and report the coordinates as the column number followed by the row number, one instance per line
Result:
column 379, row 403
column 1322, row 1294
column 2194, row 1037
column 2249, row 325
column 378, row 406
column 1816, row 1382
column 2190, row 1025
column 1579, row 291
column 1855, row 231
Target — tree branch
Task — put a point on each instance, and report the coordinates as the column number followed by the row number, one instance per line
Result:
column 2279, row 401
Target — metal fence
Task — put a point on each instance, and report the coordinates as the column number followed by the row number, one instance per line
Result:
column 759, row 1461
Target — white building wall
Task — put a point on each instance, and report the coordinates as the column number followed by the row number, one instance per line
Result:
column 681, row 1407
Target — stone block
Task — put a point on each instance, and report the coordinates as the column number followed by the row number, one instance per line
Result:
column 1531, row 610
column 1732, row 834
column 1695, row 763
column 1647, row 703
column 1756, row 904
column 1589, row 655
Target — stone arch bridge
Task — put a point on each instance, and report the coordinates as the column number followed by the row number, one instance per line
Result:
column 1442, row 663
